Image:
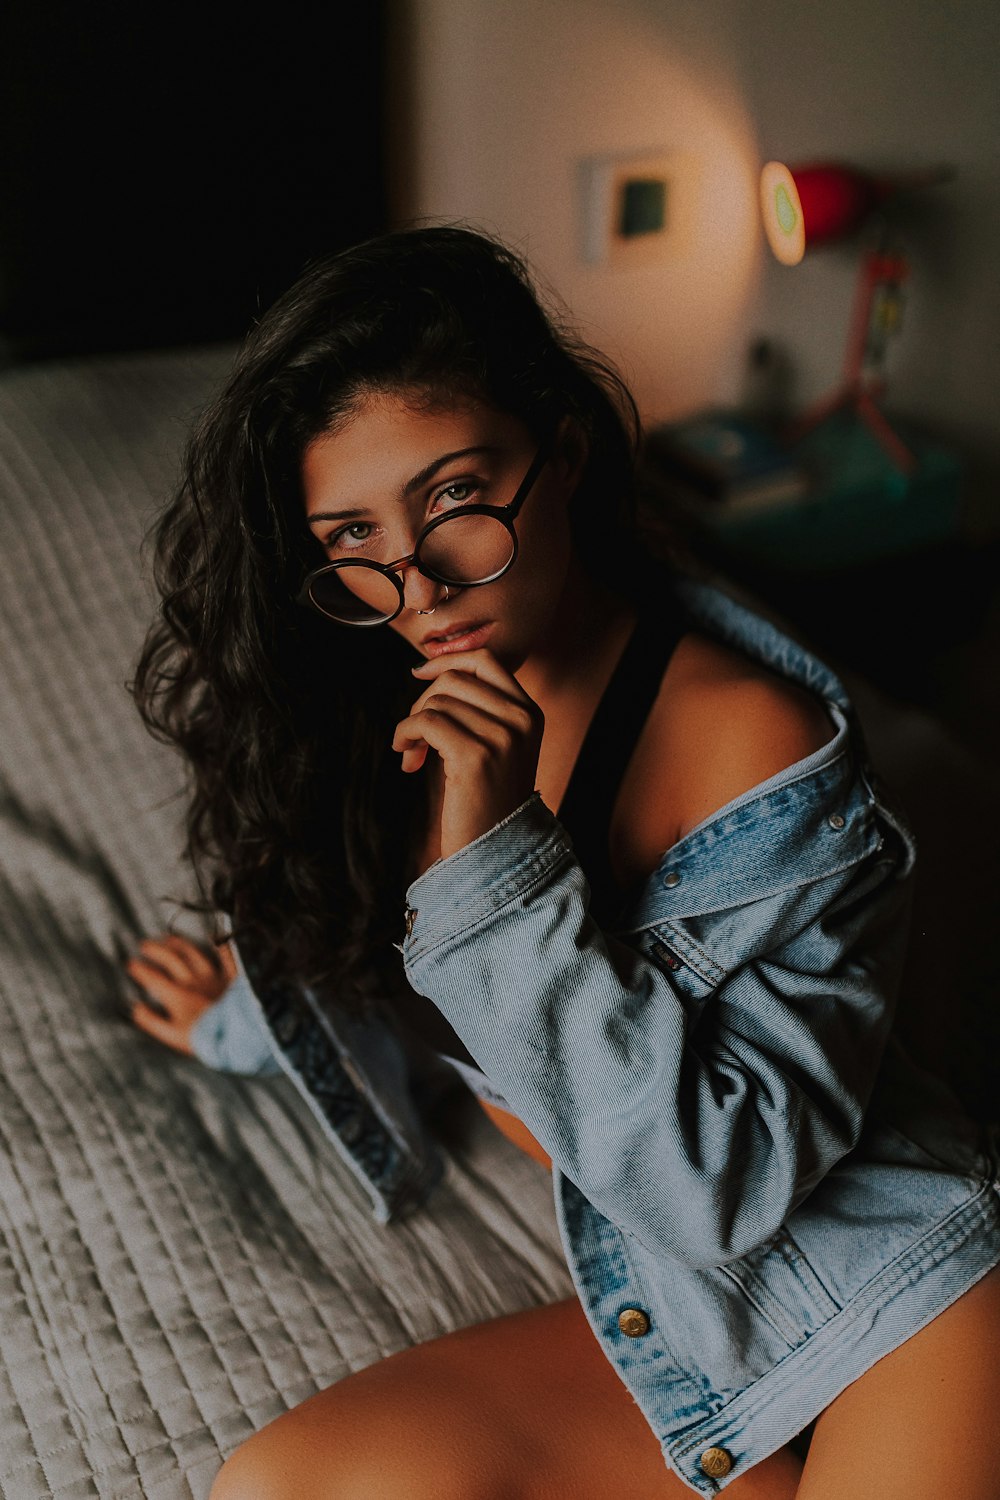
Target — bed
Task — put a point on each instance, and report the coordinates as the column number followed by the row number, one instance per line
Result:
column 182, row 1257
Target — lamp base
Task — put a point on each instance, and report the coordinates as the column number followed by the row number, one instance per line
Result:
column 860, row 401
column 876, row 317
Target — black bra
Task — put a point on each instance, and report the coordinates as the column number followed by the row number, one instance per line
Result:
column 586, row 808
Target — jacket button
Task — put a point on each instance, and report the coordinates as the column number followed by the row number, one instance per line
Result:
column 671, row 880
column 411, row 917
column 633, row 1322
column 836, row 821
column 716, row 1462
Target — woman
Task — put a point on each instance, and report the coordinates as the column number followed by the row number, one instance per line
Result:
column 410, row 644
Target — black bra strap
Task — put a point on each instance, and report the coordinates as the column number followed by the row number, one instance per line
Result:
column 586, row 808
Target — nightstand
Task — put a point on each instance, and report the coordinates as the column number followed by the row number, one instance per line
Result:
column 871, row 568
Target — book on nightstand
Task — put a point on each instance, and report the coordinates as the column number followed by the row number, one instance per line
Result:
column 722, row 463
column 834, row 500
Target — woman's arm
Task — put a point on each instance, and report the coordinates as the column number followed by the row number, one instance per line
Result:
column 695, row 1115
column 697, row 1082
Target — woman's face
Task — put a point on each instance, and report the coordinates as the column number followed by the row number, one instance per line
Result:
column 394, row 464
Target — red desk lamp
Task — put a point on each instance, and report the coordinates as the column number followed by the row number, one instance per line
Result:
column 803, row 207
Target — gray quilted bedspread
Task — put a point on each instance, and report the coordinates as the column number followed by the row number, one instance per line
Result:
column 181, row 1255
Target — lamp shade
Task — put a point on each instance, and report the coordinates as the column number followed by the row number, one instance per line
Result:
column 806, row 206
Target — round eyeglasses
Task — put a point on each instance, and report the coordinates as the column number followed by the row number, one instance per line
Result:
column 471, row 545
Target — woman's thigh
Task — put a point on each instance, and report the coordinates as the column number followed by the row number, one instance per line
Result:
column 923, row 1423
column 522, row 1408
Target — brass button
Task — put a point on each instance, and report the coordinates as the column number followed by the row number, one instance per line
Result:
column 836, row 821
column 633, row 1322
column 411, row 917
column 671, row 880
column 716, row 1462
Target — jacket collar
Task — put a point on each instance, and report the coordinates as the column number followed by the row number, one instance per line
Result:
column 806, row 827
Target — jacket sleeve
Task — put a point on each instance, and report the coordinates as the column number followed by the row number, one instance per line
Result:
column 696, row 1118
column 231, row 1036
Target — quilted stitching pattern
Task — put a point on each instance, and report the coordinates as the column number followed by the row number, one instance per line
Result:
column 182, row 1256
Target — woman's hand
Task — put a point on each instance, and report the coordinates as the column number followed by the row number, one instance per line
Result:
column 183, row 981
column 486, row 730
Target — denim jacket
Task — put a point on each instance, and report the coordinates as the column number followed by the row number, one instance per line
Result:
column 758, row 1193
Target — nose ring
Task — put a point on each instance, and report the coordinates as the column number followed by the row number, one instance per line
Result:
column 431, row 611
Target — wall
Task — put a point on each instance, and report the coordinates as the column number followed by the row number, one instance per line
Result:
column 499, row 100
column 509, row 97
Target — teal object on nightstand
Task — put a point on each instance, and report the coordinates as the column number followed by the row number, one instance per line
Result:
column 859, row 506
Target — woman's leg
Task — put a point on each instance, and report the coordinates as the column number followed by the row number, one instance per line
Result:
column 923, row 1423
column 521, row 1408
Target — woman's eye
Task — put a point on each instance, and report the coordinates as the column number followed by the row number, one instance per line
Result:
column 459, row 493
column 349, row 537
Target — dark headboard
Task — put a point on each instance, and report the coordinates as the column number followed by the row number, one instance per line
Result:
column 166, row 170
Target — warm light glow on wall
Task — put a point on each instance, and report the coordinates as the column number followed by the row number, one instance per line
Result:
column 557, row 86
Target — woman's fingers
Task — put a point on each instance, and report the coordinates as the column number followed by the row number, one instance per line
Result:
column 482, row 664
column 159, row 952
column 457, row 731
column 176, row 999
column 164, row 1029
column 449, row 723
column 227, row 961
column 489, row 764
column 414, row 756
column 170, row 1010
column 471, row 689
column 185, row 963
column 487, row 732
column 201, row 967
column 477, row 679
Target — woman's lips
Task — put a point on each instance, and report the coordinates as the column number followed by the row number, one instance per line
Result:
column 465, row 635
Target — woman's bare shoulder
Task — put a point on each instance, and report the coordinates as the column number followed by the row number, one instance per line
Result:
column 724, row 724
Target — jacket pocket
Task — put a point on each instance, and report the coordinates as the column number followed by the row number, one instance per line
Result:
column 780, row 1283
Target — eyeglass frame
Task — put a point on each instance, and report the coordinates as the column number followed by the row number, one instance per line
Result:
column 505, row 514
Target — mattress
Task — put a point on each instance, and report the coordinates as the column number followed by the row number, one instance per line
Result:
column 182, row 1255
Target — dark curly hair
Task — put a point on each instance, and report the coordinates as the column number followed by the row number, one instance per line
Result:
column 299, row 825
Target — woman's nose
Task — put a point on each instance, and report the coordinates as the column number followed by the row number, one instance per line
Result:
column 420, row 592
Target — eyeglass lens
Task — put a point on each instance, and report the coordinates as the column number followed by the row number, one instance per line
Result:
column 461, row 550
